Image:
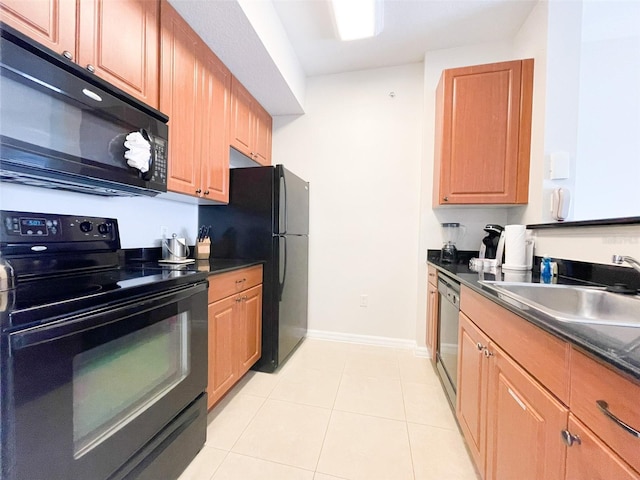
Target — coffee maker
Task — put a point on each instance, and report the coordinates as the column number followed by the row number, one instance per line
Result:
column 489, row 245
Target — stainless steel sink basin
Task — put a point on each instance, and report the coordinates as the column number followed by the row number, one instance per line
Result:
column 570, row 303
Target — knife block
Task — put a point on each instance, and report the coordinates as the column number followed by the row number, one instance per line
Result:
column 203, row 249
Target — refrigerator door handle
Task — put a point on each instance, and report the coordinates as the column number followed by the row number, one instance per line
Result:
column 283, row 204
column 282, row 266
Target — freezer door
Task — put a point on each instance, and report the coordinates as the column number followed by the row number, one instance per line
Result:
column 292, row 210
column 293, row 251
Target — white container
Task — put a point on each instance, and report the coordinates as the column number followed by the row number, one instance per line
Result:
column 515, row 248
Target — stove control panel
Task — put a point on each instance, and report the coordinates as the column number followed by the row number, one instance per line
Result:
column 43, row 229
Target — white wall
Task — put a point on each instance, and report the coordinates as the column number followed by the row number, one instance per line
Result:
column 552, row 35
column 360, row 149
column 139, row 218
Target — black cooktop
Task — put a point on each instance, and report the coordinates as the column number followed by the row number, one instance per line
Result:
column 63, row 265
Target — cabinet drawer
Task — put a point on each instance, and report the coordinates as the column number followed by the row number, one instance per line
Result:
column 224, row 284
column 432, row 275
column 593, row 459
column 593, row 383
column 544, row 356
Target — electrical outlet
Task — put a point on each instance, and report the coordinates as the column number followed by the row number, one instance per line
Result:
column 164, row 231
column 364, row 300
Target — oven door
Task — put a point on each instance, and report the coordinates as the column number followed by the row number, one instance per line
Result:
column 88, row 391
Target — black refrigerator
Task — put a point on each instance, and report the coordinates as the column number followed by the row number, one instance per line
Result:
column 267, row 219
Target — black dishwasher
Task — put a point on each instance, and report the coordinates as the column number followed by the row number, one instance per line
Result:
column 447, row 345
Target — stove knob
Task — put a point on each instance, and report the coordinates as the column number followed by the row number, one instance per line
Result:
column 104, row 228
column 86, row 226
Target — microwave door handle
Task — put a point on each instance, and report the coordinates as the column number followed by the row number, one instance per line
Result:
column 152, row 161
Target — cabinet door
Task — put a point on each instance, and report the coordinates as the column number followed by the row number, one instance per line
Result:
column 119, row 39
column 250, row 323
column 432, row 319
column 471, row 394
column 179, row 85
column 483, row 119
column 591, row 459
column 214, row 103
column 242, row 119
column 49, row 22
column 223, row 367
column 262, row 135
column 524, row 422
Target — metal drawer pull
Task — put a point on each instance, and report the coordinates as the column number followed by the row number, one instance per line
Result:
column 604, row 408
column 479, row 346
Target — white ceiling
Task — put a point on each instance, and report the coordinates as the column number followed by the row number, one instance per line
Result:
column 411, row 28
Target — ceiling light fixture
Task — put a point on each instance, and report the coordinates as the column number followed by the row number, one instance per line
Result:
column 355, row 19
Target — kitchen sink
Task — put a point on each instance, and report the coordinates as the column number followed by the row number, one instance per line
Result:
column 571, row 303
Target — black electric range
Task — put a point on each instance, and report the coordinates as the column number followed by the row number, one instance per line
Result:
column 114, row 351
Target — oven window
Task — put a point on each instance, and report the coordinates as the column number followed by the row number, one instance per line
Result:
column 115, row 382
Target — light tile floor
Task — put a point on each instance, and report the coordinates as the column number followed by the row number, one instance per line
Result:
column 335, row 411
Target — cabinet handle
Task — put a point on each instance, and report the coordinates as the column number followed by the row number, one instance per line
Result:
column 91, row 68
column 67, row 54
column 570, row 439
column 206, row 192
column 238, row 300
column 199, row 190
column 487, row 353
column 244, row 298
column 604, row 408
column 446, row 199
column 479, row 346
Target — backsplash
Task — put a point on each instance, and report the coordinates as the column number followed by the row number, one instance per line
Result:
column 139, row 218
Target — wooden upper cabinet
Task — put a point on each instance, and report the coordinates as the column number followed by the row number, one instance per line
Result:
column 195, row 93
column 251, row 125
column 49, row 22
column 263, row 133
column 483, row 134
column 214, row 103
column 118, row 39
column 178, row 99
column 115, row 39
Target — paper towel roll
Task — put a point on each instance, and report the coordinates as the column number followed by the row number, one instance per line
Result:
column 515, row 246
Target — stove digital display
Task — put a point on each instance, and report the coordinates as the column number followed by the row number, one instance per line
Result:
column 33, row 226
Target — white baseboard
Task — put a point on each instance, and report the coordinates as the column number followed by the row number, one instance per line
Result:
column 368, row 340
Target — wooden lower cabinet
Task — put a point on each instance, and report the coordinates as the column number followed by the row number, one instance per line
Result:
column 528, row 403
column 524, row 422
column 471, row 396
column 235, row 330
column 510, row 422
column 591, row 459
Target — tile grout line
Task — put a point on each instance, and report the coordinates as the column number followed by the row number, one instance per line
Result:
column 335, row 398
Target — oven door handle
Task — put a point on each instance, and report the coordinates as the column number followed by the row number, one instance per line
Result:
column 105, row 315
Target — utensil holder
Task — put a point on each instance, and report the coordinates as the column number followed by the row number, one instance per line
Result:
column 203, row 249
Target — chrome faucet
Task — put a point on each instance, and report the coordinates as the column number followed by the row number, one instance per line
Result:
column 620, row 259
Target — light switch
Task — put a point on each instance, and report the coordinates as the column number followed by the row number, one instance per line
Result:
column 559, row 165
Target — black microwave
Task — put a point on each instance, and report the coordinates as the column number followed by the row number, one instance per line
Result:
column 62, row 127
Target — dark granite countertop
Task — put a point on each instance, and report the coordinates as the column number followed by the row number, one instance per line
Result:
column 612, row 344
column 220, row 265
